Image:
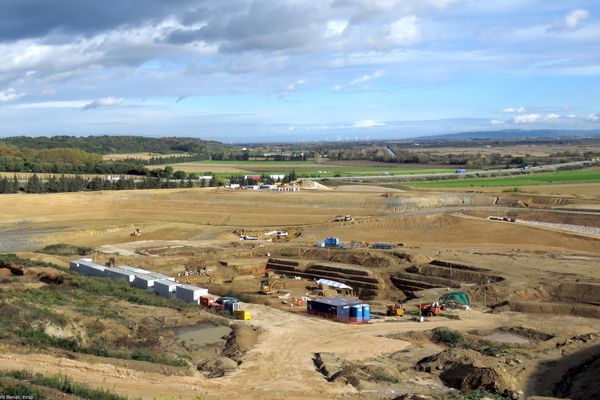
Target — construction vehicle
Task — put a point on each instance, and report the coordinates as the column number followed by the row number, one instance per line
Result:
column 343, row 218
column 136, row 232
column 395, row 310
column 267, row 287
column 430, row 309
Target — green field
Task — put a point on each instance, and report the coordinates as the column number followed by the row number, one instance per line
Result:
column 561, row 177
column 302, row 168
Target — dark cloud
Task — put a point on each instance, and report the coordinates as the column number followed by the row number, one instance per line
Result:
column 21, row 19
column 254, row 25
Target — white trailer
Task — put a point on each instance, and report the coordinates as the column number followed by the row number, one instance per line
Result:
column 190, row 293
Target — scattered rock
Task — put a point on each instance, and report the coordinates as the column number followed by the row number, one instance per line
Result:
column 217, row 367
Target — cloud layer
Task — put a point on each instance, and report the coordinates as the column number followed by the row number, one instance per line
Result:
column 274, row 63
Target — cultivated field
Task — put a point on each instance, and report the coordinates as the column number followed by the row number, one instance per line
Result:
column 304, row 168
column 590, row 175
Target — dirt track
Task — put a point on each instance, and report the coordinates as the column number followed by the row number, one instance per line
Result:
column 280, row 366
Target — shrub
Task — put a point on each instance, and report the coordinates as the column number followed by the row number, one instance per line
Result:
column 383, row 376
column 62, row 249
column 448, row 337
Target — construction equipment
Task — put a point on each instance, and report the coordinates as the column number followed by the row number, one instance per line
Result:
column 267, row 287
column 430, row 309
column 343, row 218
column 395, row 310
column 136, row 232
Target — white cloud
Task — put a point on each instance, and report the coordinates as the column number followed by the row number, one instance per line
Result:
column 575, row 18
column 104, row 102
column 497, row 122
column 53, row 104
column 593, row 118
column 361, row 80
column 292, row 87
column 511, row 110
column 10, row 94
column 367, row 123
column 335, row 28
column 535, row 118
column 403, row 32
column 571, row 21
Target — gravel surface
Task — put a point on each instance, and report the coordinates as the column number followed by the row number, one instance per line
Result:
column 588, row 230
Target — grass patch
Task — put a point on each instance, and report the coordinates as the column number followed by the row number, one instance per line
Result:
column 383, row 376
column 450, row 316
column 474, row 395
column 448, row 337
column 26, row 312
column 591, row 175
column 62, row 249
column 63, row 384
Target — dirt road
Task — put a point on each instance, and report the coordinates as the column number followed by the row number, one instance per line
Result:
column 280, row 366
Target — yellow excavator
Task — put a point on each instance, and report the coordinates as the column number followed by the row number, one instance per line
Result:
column 395, row 310
column 267, row 287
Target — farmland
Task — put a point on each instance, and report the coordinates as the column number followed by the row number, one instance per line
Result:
column 303, row 168
column 591, row 175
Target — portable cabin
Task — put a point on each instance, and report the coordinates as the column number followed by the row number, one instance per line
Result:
column 91, row 269
column 165, row 288
column 190, row 293
column 160, row 276
column 332, row 242
column 366, row 309
column 243, row 315
column 118, row 273
column 143, row 281
column 135, row 270
column 74, row 265
column 339, row 309
column 356, row 313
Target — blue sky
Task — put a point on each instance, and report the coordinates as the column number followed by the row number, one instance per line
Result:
column 293, row 70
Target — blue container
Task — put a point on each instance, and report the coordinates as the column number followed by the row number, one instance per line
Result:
column 356, row 313
column 366, row 309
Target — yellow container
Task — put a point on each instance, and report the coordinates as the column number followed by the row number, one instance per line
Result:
column 243, row 315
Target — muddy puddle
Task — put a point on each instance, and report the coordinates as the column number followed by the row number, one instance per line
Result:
column 506, row 337
column 202, row 334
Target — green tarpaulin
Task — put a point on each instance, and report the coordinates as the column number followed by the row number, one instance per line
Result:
column 456, row 297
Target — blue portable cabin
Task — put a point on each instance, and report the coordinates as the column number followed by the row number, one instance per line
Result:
column 356, row 313
column 336, row 308
column 366, row 310
column 332, row 242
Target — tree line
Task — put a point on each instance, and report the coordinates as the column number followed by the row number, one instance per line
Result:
column 80, row 184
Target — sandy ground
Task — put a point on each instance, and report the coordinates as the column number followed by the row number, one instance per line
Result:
column 280, row 366
column 586, row 190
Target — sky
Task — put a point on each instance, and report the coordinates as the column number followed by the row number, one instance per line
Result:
column 295, row 70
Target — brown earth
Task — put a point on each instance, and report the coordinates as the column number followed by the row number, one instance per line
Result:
column 551, row 276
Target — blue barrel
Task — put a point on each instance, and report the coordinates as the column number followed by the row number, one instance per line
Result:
column 366, row 312
column 356, row 313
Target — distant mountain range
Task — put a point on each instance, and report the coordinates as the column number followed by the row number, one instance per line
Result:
column 515, row 134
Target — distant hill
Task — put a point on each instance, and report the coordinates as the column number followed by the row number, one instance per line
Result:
column 115, row 144
column 514, row 134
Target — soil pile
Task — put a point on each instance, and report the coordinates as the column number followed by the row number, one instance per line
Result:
column 466, row 369
column 312, row 185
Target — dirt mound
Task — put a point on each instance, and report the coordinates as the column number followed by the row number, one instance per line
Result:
column 307, row 184
column 241, row 340
column 466, row 369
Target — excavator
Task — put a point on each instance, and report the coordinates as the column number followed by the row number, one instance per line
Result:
column 395, row 310
column 267, row 287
